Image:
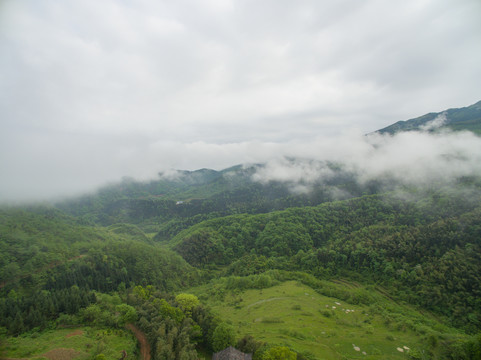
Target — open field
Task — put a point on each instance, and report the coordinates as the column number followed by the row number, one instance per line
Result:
column 73, row 343
column 318, row 326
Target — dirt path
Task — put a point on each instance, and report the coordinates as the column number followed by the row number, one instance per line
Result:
column 266, row 300
column 144, row 344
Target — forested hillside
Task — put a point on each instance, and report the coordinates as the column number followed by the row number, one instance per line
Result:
column 416, row 246
column 177, row 201
column 193, row 262
column 427, row 252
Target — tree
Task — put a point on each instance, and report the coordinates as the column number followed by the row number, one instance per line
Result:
column 92, row 313
column 187, row 302
column 249, row 345
column 223, row 337
column 17, row 326
column 279, row 353
column 127, row 313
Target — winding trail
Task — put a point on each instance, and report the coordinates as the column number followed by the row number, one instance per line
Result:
column 144, row 344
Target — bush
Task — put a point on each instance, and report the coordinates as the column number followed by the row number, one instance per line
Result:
column 223, row 337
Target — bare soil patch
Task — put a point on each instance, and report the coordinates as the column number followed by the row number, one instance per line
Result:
column 61, row 354
column 75, row 333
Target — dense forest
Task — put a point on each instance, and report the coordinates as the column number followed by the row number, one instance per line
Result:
column 422, row 247
column 179, row 258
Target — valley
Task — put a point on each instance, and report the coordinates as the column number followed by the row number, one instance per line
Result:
column 334, row 267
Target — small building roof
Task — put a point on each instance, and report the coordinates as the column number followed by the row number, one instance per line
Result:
column 231, row 353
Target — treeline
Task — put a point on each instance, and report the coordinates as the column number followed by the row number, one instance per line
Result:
column 68, row 287
column 52, row 266
column 19, row 314
column 124, row 264
column 177, row 326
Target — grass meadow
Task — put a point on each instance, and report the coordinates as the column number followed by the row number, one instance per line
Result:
column 322, row 327
column 80, row 343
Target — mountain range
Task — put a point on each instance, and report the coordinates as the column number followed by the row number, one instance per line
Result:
column 331, row 266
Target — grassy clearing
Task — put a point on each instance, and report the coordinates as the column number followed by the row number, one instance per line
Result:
column 73, row 343
column 323, row 327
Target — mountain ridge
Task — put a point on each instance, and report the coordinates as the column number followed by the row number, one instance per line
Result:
column 465, row 118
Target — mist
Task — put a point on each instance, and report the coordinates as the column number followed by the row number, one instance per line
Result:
column 416, row 158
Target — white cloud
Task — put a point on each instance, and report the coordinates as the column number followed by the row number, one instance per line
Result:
column 147, row 85
column 411, row 158
column 436, row 123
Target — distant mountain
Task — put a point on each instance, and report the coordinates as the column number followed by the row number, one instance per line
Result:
column 466, row 118
column 180, row 199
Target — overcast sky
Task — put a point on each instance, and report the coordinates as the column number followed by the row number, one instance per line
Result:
column 92, row 90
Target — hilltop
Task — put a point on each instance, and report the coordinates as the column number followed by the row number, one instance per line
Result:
column 466, row 118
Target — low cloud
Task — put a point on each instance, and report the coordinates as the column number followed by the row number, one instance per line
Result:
column 439, row 121
column 41, row 171
column 410, row 158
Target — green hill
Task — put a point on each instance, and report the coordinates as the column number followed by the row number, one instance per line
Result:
column 171, row 203
column 322, row 326
column 466, row 118
column 344, row 269
column 425, row 252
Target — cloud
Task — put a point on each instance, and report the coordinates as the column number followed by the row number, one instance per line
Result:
column 436, row 123
column 82, row 162
column 410, row 158
column 94, row 90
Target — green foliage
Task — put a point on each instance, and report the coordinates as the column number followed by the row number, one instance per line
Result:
column 261, row 281
column 173, row 325
column 466, row 118
column 86, row 342
column 419, row 250
column 223, row 337
column 279, row 353
column 378, row 326
column 143, row 292
column 108, row 311
column 187, row 302
column 415, row 247
column 129, row 230
column 469, row 349
column 168, row 311
column 249, row 345
column 41, row 248
column 127, row 314
column 23, row 313
column 201, row 248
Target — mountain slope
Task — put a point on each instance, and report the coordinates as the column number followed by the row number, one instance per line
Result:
column 426, row 252
column 466, row 118
column 188, row 197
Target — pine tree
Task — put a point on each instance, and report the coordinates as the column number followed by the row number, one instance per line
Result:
column 17, row 326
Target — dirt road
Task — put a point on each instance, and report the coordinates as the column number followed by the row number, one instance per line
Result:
column 144, row 344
